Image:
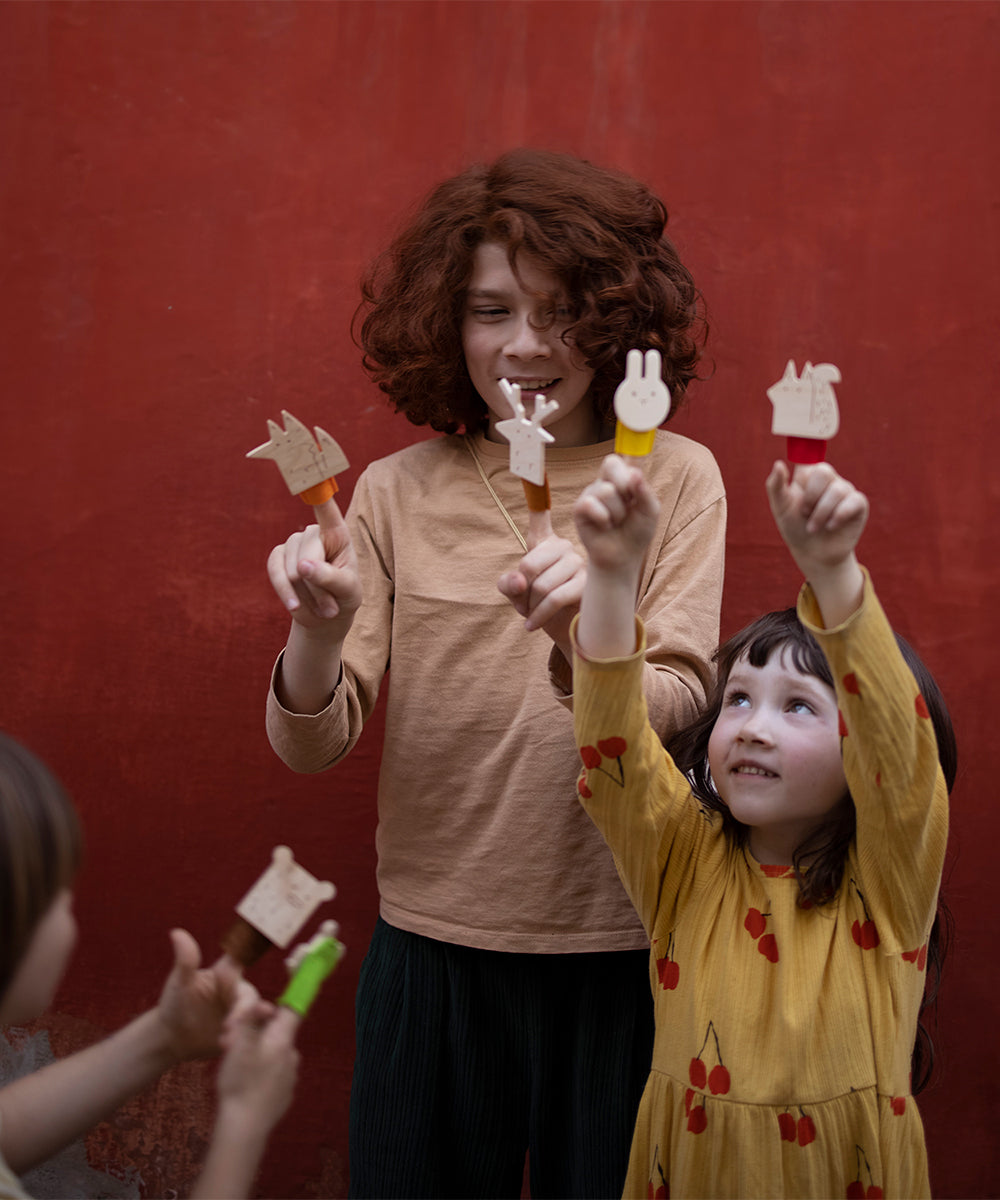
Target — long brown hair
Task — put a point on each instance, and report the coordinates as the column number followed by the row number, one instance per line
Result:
column 598, row 231
column 40, row 849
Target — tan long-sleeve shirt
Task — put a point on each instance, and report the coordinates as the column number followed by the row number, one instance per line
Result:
column 481, row 840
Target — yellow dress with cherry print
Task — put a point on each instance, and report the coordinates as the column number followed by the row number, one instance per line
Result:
column 783, row 1035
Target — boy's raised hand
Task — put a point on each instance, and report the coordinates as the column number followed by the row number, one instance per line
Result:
column 821, row 517
column 315, row 574
column 545, row 588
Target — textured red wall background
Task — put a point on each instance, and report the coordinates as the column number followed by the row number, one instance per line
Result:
column 188, row 194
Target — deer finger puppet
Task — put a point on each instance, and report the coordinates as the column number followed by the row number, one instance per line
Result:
column 805, row 410
column 308, row 461
column 527, row 455
column 275, row 908
column 642, row 403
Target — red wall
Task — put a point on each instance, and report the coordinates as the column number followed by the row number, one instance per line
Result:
column 188, row 193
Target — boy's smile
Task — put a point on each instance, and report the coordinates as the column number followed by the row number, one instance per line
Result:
column 507, row 334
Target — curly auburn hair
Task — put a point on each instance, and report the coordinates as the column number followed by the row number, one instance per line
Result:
column 598, row 231
column 825, row 851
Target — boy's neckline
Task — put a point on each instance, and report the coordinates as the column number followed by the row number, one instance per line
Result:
column 500, row 451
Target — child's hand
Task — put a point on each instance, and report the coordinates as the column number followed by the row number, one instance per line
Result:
column 821, row 517
column 258, row 1073
column 616, row 516
column 195, row 1000
column 315, row 575
column 546, row 588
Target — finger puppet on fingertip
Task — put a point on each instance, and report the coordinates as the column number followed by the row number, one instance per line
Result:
column 805, row 410
column 309, row 461
column 528, row 440
column 275, row 908
column 642, row 404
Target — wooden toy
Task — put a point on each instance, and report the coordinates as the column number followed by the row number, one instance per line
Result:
column 310, row 964
column 275, row 908
column 308, row 461
column 642, row 403
column 805, row 410
column 527, row 455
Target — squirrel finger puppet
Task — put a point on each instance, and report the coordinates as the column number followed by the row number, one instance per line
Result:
column 309, row 462
column 527, row 440
column 642, row 403
column 805, row 410
column 275, row 908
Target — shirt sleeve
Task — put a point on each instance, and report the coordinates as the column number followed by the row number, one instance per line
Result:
column 892, row 768
column 632, row 791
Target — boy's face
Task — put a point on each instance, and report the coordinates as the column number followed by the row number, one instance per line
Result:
column 506, row 335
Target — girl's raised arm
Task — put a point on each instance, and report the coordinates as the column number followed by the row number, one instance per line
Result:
column 615, row 518
column 821, row 516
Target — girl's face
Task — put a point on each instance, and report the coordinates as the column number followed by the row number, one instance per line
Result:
column 774, row 753
column 502, row 339
column 41, row 970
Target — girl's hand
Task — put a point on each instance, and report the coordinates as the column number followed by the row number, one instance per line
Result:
column 258, row 1073
column 616, row 517
column 196, row 1000
column 546, row 588
column 315, row 575
column 821, row 516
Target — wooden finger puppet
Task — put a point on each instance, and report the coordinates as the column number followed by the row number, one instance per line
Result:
column 310, row 964
column 805, row 410
column 528, row 440
column 308, row 460
column 275, row 908
column 642, row 403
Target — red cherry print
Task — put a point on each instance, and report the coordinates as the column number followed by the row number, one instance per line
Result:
column 786, row 1123
column 718, row 1080
column 921, row 707
column 842, row 724
column 591, row 756
column 874, row 1193
column 806, row 1130
column 910, row 955
column 922, row 957
column 775, row 870
column 878, row 778
column 697, row 1119
column 855, row 1190
column 612, row 747
column 899, row 1105
column 660, row 1193
column 582, row 788
column 754, row 922
column 865, row 934
column 669, row 972
column 851, row 684
column 768, row 946
column 696, row 1073
column 689, row 1096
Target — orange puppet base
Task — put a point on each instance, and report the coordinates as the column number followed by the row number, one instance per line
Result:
column 320, row 492
column 538, row 496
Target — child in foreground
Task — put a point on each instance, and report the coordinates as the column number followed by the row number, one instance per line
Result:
column 789, row 886
column 199, row 1008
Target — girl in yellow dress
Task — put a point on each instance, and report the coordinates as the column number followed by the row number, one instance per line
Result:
column 786, row 867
